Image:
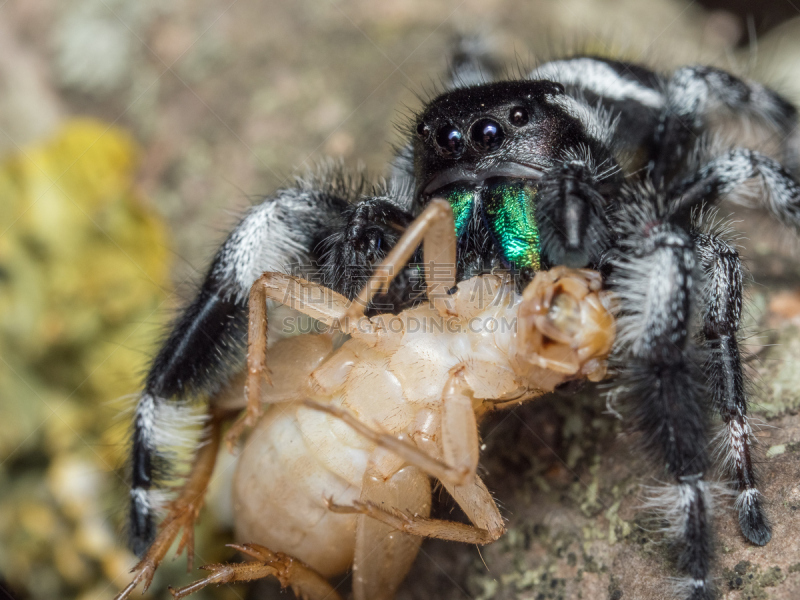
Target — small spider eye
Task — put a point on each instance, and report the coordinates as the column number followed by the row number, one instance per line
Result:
column 487, row 134
column 450, row 141
column 518, row 116
column 423, row 130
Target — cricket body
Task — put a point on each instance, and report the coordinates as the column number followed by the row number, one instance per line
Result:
column 336, row 474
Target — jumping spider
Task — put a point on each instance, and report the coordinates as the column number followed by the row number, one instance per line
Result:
column 336, row 474
column 587, row 162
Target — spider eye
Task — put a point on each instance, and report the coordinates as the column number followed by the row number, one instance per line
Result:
column 423, row 130
column 487, row 135
column 518, row 116
column 450, row 141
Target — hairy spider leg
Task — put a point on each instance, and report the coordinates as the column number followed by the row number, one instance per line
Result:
column 664, row 117
column 695, row 95
column 719, row 177
column 205, row 345
column 726, row 176
column 183, row 511
column 655, row 279
column 655, row 285
column 722, row 309
column 435, row 230
column 369, row 229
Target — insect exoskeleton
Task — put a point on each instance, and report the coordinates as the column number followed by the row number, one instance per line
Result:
column 336, row 474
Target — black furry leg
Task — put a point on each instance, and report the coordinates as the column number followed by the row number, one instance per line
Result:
column 696, row 94
column 207, row 338
column 206, row 343
column 370, row 228
column 726, row 175
column 662, row 381
column 572, row 212
column 721, row 314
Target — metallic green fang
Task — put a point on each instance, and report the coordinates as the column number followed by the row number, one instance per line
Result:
column 510, row 209
column 462, row 201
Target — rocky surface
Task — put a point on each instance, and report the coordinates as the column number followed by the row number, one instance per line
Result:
column 228, row 101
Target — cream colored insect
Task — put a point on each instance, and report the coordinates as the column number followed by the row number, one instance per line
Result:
column 336, row 475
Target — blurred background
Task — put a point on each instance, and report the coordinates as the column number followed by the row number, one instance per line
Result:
column 132, row 134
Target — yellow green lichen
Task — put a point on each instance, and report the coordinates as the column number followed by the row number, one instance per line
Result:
column 84, row 284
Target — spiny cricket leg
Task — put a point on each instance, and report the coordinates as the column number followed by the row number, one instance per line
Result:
column 460, row 447
column 473, row 497
column 434, row 528
column 402, row 447
column 383, row 556
column 435, row 229
column 460, row 438
column 305, row 582
column 311, row 299
column 183, row 512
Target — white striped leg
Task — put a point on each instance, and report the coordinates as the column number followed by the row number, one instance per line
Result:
column 696, row 94
column 724, row 177
column 655, row 280
column 722, row 299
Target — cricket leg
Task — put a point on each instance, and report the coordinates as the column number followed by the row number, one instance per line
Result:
column 305, row 582
column 311, row 299
column 400, row 446
column 383, row 556
column 460, row 446
column 459, row 433
column 182, row 513
column 474, row 499
column 435, row 229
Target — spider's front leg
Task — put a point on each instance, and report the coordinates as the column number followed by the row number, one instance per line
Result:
column 205, row 346
column 727, row 175
column 662, row 379
column 369, row 231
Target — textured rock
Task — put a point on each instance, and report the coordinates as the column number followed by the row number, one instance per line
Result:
column 227, row 101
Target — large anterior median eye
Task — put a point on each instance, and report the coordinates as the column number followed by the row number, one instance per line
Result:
column 510, row 211
column 450, row 141
column 487, row 135
column 462, row 198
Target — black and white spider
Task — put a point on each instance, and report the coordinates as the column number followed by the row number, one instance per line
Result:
column 586, row 162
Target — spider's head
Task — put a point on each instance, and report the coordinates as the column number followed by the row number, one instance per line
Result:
column 487, row 149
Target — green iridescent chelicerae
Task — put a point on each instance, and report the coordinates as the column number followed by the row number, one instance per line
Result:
column 510, row 209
